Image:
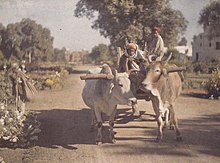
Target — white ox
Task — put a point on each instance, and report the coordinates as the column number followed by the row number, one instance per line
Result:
column 165, row 85
column 103, row 96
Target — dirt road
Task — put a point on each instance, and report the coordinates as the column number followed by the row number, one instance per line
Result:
column 66, row 138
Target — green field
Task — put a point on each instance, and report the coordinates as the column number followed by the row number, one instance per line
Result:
column 195, row 81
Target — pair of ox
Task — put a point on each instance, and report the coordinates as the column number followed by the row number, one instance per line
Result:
column 160, row 79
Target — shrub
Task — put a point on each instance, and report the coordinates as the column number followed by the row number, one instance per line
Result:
column 49, row 79
column 5, row 89
column 200, row 67
column 18, row 128
column 213, row 85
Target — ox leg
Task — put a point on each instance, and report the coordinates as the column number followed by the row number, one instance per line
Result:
column 166, row 113
column 135, row 110
column 93, row 121
column 99, row 125
column 166, row 116
column 111, row 125
column 160, row 128
column 155, row 103
column 174, row 121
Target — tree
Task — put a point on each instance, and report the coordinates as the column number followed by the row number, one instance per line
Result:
column 2, row 28
column 210, row 18
column 58, row 55
column 27, row 39
column 100, row 53
column 132, row 19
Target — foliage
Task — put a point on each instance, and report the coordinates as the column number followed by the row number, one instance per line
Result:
column 213, row 85
column 48, row 79
column 208, row 67
column 26, row 40
column 195, row 81
column 200, row 67
column 6, row 89
column 100, row 53
column 182, row 42
column 174, row 52
column 210, row 18
column 58, row 55
column 132, row 19
column 18, row 128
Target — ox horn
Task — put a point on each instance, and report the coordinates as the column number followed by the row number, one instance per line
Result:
column 169, row 57
column 97, row 76
column 175, row 69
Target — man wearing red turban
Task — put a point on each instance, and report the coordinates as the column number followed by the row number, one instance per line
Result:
column 155, row 44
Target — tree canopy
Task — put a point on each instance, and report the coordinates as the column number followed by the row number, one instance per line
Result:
column 100, row 53
column 119, row 20
column 182, row 42
column 19, row 40
column 210, row 18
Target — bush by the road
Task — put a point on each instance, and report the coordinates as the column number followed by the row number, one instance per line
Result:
column 18, row 128
column 213, row 84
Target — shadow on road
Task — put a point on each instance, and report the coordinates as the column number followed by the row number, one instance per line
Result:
column 67, row 128
column 200, row 136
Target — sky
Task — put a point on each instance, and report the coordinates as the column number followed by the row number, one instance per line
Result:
column 76, row 33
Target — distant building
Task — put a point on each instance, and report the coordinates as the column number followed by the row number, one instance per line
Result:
column 78, row 57
column 205, row 49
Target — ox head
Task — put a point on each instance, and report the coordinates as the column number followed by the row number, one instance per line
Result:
column 121, row 89
column 156, row 72
column 119, row 84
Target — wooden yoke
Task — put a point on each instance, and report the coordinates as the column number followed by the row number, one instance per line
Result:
column 97, row 76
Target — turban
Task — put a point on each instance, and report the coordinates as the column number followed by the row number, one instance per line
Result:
column 156, row 29
column 131, row 46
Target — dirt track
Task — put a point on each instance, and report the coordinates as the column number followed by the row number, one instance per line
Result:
column 66, row 137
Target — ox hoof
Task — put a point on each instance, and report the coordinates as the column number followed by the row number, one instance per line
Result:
column 113, row 140
column 172, row 127
column 148, row 98
column 136, row 113
column 158, row 139
column 98, row 142
column 164, row 128
column 179, row 138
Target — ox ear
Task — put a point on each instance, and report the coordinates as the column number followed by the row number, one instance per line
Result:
column 164, row 72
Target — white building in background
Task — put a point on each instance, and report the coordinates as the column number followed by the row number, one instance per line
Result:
column 205, row 49
column 185, row 52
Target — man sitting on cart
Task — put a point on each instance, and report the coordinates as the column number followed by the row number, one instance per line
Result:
column 132, row 59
